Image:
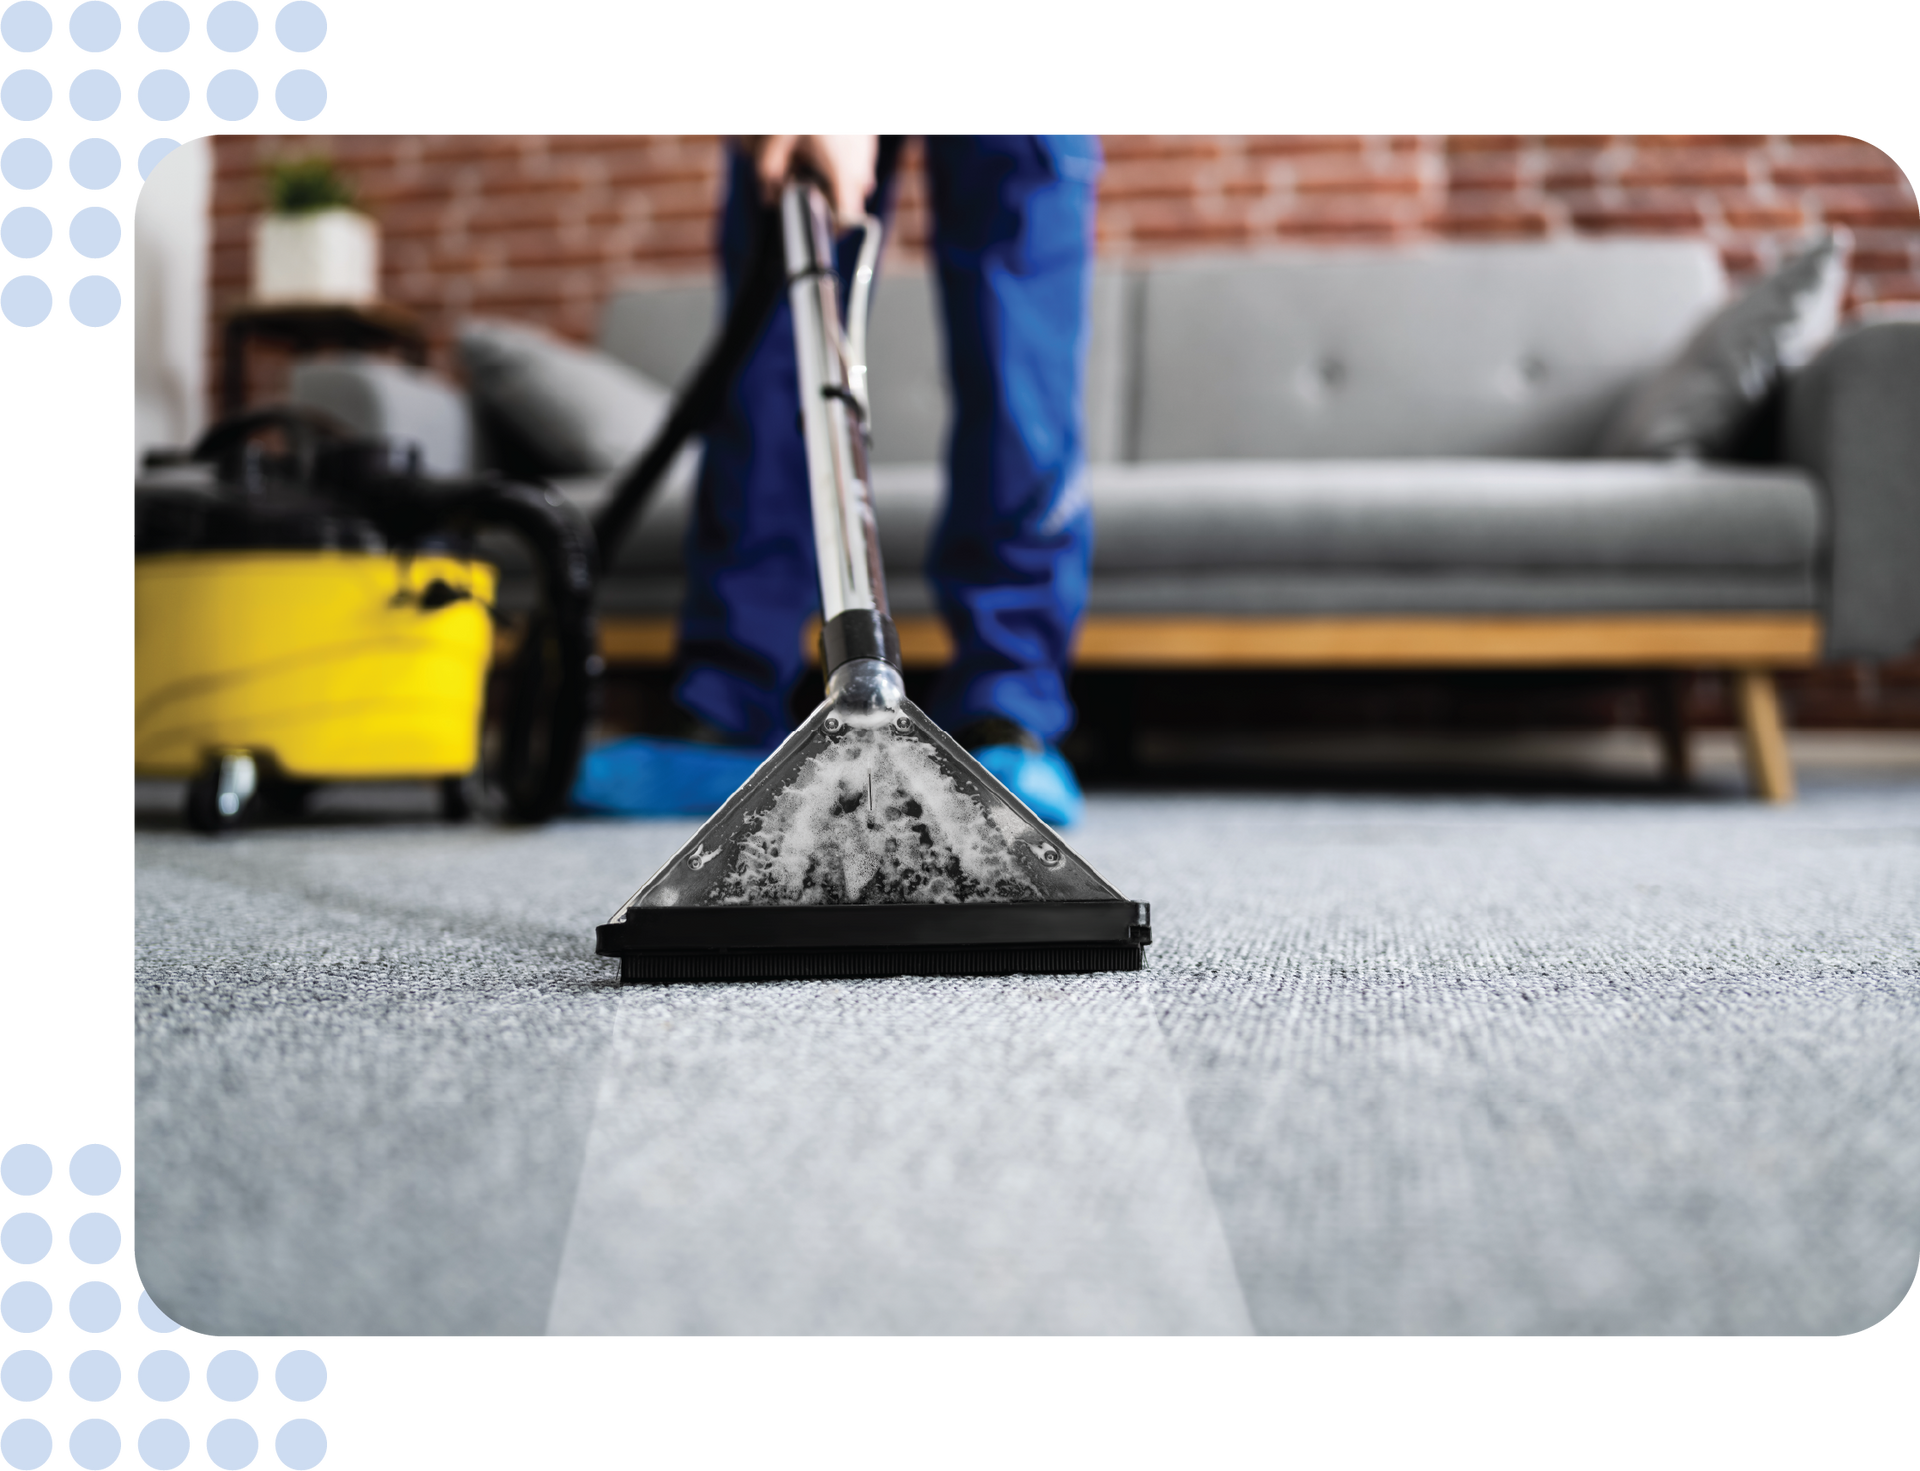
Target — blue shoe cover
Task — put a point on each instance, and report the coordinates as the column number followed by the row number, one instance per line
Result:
column 656, row 776
column 1041, row 779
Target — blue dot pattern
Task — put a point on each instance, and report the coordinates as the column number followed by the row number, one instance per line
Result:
column 26, row 232
column 25, row 1168
column 110, row 87
column 95, row 1374
column 95, row 1169
column 26, row 1237
column 95, row 233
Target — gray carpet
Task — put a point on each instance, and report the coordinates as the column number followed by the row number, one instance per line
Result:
column 1409, row 1064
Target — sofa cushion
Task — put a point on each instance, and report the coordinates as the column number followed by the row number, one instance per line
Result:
column 1370, row 592
column 1451, row 513
column 1366, row 536
column 1493, row 349
column 580, row 409
column 1699, row 403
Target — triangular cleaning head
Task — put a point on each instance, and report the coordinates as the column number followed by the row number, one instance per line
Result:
column 871, row 843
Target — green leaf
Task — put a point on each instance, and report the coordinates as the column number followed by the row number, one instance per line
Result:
column 299, row 186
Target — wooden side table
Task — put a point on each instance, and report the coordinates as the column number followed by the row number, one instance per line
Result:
column 376, row 327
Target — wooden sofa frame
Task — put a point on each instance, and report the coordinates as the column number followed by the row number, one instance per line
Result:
column 1750, row 647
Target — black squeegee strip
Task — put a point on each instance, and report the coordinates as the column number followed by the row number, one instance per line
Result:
column 853, row 927
column 857, row 963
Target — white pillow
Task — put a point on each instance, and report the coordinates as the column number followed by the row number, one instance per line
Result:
column 586, row 412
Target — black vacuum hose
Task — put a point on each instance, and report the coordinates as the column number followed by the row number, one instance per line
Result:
column 551, row 681
column 700, row 404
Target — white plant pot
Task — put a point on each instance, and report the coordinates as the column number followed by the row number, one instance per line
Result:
column 331, row 255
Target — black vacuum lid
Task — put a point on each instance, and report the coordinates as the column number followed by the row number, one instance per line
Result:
column 285, row 478
column 180, row 518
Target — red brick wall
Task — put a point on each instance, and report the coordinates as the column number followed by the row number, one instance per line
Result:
column 543, row 228
column 1748, row 195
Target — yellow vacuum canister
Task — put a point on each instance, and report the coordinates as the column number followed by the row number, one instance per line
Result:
column 333, row 665
column 309, row 607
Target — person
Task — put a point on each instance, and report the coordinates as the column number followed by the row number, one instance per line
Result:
column 1012, row 245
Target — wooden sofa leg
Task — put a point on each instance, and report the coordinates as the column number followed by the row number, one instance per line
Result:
column 1670, row 721
column 1769, row 768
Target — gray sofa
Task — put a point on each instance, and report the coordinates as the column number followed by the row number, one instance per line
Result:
column 1308, row 457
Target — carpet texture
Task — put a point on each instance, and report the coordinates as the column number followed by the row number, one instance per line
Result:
column 1399, row 1064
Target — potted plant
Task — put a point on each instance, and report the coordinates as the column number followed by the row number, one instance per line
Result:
column 312, row 245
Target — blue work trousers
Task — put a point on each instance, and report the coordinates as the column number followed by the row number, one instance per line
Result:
column 1013, row 245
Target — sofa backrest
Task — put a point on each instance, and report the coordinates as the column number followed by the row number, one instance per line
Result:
column 1507, row 349
column 1476, row 349
column 663, row 327
column 660, row 327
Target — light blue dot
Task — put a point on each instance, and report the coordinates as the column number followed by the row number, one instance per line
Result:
column 95, row 232
column 232, row 95
column 300, row 26
column 301, row 95
column 164, row 95
column 163, row 26
column 26, row 1375
column 94, row 1237
column 26, row 1237
column 95, row 95
column 94, row 301
column 26, row 95
column 152, row 1318
column 232, row 1444
column 300, row 1444
column 95, row 1375
column 26, row 1169
column 26, row 26
column 232, row 26
column 94, row 1307
column 301, row 1375
column 95, row 164
column 26, row 232
column 95, row 26
column 232, row 1375
column 164, row 1445
column 95, row 1169
column 151, row 155
column 26, row 1444
column 163, row 1375
column 25, row 1306
column 94, row 1445
column 26, row 165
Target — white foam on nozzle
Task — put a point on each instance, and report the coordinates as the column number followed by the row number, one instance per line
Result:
column 874, row 818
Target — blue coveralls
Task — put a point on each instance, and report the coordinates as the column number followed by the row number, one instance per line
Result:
column 1013, row 245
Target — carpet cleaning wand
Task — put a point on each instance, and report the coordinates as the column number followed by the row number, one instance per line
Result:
column 870, row 843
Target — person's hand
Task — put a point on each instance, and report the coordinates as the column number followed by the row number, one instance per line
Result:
column 844, row 160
